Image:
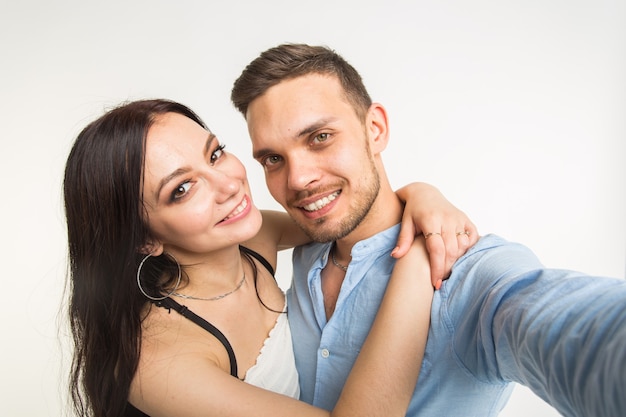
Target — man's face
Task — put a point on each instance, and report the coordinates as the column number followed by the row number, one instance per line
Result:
column 316, row 155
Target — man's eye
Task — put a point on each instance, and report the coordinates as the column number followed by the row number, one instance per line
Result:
column 181, row 190
column 322, row 137
column 217, row 153
column 271, row 160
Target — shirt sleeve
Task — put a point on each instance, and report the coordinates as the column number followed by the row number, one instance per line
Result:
column 560, row 333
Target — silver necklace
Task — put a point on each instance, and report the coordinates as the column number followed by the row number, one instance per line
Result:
column 217, row 297
column 337, row 264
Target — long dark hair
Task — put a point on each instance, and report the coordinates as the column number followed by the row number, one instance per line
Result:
column 106, row 228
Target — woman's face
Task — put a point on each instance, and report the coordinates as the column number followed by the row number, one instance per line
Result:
column 196, row 195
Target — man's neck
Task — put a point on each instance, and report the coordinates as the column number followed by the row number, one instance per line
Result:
column 385, row 212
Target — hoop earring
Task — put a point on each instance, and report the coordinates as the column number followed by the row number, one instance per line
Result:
column 139, row 279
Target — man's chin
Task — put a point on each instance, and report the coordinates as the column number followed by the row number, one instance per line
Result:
column 321, row 238
column 322, row 231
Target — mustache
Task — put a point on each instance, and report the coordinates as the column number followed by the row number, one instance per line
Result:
column 301, row 195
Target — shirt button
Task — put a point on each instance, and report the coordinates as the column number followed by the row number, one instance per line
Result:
column 325, row 353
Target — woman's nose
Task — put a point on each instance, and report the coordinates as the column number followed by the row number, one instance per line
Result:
column 225, row 186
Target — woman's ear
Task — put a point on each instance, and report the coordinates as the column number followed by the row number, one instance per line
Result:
column 153, row 248
column 377, row 126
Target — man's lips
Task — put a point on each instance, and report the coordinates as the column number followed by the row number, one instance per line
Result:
column 320, row 203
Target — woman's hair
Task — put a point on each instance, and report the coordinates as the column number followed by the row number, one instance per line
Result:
column 106, row 228
column 289, row 61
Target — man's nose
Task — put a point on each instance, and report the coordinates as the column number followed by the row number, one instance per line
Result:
column 303, row 172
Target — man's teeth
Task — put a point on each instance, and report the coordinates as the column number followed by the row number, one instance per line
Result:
column 241, row 207
column 322, row 202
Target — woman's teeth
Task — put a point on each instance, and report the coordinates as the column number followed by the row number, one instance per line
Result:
column 241, row 207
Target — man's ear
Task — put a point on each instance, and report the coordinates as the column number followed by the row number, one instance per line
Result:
column 377, row 126
column 153, row 248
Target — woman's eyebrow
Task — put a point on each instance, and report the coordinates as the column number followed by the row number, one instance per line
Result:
column 209, row 141
column 207, row 147
column 167, row 179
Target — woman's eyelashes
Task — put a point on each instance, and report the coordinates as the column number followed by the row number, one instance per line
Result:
column 217, row 153
column 183, row 188
column 180, row 191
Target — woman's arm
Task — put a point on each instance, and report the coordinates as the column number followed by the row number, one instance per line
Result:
column 383, row 378
column 448, row 231
column 278, row 232
column 180, row 376
column 283, row 230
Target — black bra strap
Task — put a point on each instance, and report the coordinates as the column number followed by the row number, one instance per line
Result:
column 259, row 258
column 168, row 303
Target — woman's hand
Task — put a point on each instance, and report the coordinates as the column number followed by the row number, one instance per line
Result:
column 447, row 230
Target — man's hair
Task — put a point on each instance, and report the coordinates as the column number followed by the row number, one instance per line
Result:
column 290, row 61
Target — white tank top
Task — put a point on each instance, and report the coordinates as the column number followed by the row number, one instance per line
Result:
column 275, row 367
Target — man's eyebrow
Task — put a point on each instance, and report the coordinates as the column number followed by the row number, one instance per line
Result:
column 207, row 146
column 304, row 132
column 312, row 127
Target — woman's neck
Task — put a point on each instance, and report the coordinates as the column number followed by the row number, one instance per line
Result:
column 212, row 274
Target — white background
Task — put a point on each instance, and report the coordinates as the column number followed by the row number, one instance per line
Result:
column 514, row 109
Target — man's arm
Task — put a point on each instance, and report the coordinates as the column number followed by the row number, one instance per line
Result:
column 561, row 333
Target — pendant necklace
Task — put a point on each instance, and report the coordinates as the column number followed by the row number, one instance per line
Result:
column 337, row 264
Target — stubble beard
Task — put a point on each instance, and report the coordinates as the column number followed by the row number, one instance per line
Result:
column 321, row 231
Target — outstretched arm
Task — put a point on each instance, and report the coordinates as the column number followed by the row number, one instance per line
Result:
column 448, row 231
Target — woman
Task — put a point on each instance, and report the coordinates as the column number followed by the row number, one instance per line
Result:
column 160, row 218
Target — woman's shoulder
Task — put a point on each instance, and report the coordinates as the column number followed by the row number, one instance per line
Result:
column 174, row 356
column 167, row 334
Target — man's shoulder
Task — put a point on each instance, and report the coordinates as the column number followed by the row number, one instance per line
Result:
column 490, row 261
column 489, row 241
column 494, row 246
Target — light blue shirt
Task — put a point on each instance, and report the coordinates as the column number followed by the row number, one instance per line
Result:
column 500, row 318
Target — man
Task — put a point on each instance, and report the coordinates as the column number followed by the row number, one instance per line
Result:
column 500, row 318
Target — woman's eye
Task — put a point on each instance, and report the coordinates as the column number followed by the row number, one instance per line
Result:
column 217, row 153
column 181, row 190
